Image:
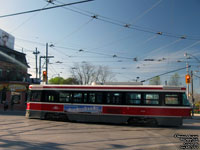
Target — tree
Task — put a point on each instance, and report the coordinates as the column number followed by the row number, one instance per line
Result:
column 103, row 74
column 70, row 81
column 155, row 81
column 56, row 80
column 86, row 73
column 175, row 80
column 60, row 80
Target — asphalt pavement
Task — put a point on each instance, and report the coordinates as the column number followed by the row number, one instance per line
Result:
column 22, row 113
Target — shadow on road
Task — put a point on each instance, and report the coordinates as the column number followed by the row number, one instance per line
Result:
column 13, row 113
column 18, row 144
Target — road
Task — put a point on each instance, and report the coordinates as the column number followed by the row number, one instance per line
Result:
column 17, row 132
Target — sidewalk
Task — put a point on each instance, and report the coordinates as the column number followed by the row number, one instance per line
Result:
column 14, row 112
column 196, row 116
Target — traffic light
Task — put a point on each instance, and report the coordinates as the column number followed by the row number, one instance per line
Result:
column 44, row 76
column 187, row 78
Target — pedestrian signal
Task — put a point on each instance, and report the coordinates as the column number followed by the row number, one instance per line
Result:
column 187, row 78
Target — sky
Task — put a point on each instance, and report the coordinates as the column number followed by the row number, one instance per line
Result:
column 124, row 35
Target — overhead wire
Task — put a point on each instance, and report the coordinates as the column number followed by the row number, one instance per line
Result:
column 42, row 9
column 73, row 32
column 25, row 21
column 135, row 27
column 146, row 11
column 128, row 26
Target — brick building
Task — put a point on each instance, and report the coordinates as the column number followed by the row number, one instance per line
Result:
column 13, row 79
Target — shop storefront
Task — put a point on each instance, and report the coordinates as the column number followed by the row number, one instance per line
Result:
column 14, row 95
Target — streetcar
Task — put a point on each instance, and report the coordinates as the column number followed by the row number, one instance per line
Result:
column 163, row 105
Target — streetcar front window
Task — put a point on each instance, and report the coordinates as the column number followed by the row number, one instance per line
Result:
column 35, row 96
column 185, row 100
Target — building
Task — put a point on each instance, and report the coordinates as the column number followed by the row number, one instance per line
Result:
column 13, row 78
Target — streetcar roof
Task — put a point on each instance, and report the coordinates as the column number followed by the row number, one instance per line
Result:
column 109, row 88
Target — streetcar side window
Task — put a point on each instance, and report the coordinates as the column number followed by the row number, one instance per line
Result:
column 85, row 95
column 114, row 98
column 151, row 99
column 133, row 98
column 185, row 100
column 171, row 99
column 65, row 97
column 51, row 96
column 91, row 98
column 35, row 96
column 96, row 97
column 77, row 97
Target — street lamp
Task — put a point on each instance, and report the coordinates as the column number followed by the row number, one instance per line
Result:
column 192, row 94
column 187, row 54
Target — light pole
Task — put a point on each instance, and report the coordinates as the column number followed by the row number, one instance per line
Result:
column 192, row 77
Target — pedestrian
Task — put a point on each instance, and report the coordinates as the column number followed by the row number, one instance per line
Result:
column 5, row 105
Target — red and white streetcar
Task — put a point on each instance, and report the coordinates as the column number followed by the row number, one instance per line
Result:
column 164, row 105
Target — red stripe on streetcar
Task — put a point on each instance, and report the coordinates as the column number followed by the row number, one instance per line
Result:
column 45, row 107
column 147, row 111
column 138, row 111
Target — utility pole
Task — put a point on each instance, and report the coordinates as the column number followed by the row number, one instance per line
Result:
column 192, row 93
column 47, row 62
column 187, row 69
column 40, row 68
column 36, row 54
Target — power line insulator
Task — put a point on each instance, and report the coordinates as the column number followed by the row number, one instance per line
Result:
column 95, row 17
column 127, row 25
column 159, row 33
column 183, row 37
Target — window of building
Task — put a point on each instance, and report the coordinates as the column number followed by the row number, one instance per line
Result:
column 1, row 73
column 171, row 99
column 12, row 55
column 16, row 97
column 133, row 98
column 151, row 99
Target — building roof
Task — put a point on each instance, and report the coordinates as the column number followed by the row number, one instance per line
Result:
column 12, row 56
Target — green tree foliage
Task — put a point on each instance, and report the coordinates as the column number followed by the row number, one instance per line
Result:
column 60, row 80
column 155, row 81
column 175, row 80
